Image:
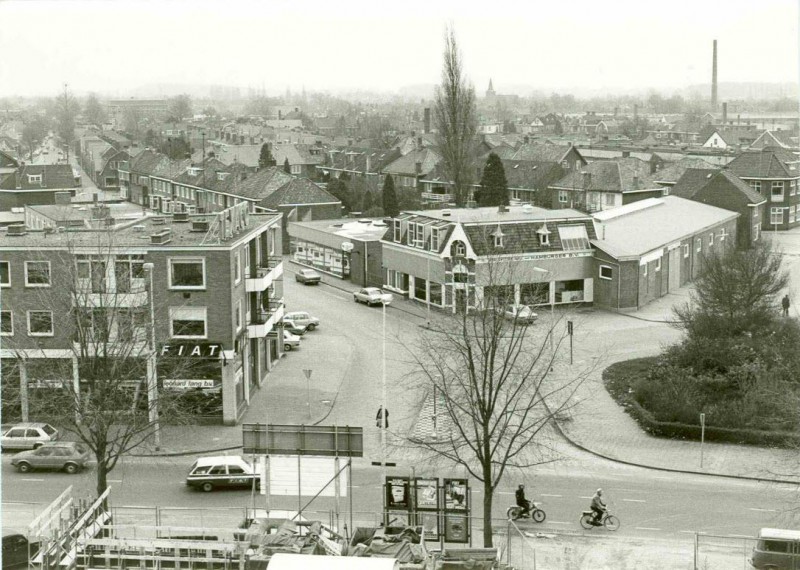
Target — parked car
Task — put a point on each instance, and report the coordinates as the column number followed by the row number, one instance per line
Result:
column 290, row 341
column 209, row 473
column 776, row 549
column 308, row 277
column 17, row 549
column 296, row 329
column 520, row 313
column 372, row 296
column 301, row 318
column 28, row 435
column 67, row 455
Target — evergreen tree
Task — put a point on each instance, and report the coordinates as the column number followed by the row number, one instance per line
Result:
column 339, row 189
column 390, row 207
column 494, row 187
column 286, row 168
column 266, row 159
column 368, row 201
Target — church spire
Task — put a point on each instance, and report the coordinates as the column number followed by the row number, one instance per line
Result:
column 490, row 91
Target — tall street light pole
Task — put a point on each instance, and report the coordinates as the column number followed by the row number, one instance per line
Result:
column 152, row 371
column 383, row 395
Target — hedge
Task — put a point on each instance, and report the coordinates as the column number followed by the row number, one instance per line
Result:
column 615, row 384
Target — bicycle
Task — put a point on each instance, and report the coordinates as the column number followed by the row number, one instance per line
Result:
column 608, row 520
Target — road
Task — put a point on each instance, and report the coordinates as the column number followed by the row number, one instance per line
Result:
column 345, row 356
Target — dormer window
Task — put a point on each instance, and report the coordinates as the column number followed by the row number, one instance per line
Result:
column 498, row 236
column 34, row 178
column 544, row 235
column 194, row 171
column 458, row 249
column 222, row 175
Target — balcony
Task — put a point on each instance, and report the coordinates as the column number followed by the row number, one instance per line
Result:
column 264, row 275
column 434, row 197
column 265, row 320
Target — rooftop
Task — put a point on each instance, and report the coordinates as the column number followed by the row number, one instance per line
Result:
column 522, row 213
column 365, row 229
column 641, row 227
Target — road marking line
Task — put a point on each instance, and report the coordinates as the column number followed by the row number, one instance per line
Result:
column 763, row 510
column 546, row 495
column 645, row 528
column 587, row 497
column 114, row 481
column 634, row 501
column 692, row 532
column 740, row 536
column 34, row 480
column 558, row 522
column 505, row 492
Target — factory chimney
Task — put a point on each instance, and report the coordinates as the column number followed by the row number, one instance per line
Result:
column 714, row 80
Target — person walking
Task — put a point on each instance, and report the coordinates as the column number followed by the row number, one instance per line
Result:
column 382, row 414
column 785, row 304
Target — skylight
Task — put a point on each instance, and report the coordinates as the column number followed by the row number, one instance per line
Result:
column 573, row 237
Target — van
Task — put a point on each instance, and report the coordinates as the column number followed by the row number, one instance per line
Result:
column 209, row 473
column 776, row 549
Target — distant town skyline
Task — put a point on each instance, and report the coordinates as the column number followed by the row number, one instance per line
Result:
column 122, row 46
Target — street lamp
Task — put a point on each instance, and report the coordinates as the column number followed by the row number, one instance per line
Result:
column 152, row 371
column 383, row 395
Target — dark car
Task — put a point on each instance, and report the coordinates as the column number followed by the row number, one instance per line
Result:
column 296, row 329
column 308, row 277
column 16, row 550
column 67, row 455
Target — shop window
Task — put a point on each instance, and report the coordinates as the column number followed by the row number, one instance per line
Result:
column 37, row 273
column 606, row 272
column 187, row 322
column 420, row 289
column 436, row 293
column 40, row 323
column 187, row 273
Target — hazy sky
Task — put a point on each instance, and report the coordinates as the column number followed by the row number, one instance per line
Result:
column 115, row 45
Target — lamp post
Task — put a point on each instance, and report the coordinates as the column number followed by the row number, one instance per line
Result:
column 383, row 393
column 152, row 371
column 307, row 372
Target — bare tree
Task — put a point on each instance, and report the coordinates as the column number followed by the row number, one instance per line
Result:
column 93, row 111
column 67, row 108
column 493, row 376
column 455, row 118
column 101, row 392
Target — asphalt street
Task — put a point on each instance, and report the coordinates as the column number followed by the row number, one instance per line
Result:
column 345, row 357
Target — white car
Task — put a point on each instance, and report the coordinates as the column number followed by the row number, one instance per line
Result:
column 300, row 318
column 290, row 341
column 209, row 473
column 520, row 313
column 372, row 296
column 28, row 436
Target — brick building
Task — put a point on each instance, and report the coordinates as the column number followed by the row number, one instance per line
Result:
column 215, row 285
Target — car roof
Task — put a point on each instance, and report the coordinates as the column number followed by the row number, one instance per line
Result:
column 307, row 271
column 28, row 424
column 779, row 533
column 219, row 459
column 295, row 313
column 61, row 443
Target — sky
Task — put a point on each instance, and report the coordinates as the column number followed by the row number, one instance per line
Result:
column 115, row 46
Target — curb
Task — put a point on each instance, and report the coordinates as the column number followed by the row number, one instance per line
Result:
column 585, row 449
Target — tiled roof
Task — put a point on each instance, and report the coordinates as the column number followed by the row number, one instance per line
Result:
column 148, row 162
column 529, row 174
column 297, row 154
column 695, row 180
column 355, row 158
column 672, row 172
column 172, row 168
column 610, row 176
column 298, row 192
column 247, row 154
column 731, row 135
column 54, row 176
column 522, row 237
column 782, row 139
column 641, row 227
column 263, row 183
column 771, row 162
column 541, row 152
column 406, row 165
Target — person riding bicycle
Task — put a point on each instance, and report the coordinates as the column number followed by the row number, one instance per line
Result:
column 598, row 507
column 522, row 501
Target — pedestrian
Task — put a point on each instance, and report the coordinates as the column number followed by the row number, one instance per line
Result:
column 385, row 415
column 785, row 304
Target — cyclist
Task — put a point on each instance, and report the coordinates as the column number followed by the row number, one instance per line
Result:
column 598, row 507
column 522, row 501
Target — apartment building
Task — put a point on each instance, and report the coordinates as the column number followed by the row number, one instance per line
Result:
column 208, row 288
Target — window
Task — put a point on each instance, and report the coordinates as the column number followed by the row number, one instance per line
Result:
column 129, row 273
column 723, row 233
column 658, row 264
column 238, row 314
column 498, row 240
column 187, row 322
column 6, row 323
column 40, row 323
column 793, row 188
column 710, row 239
column 397, row 232
column 573, row 237
column 189, row 273
column 685, row 250
column 644, row 269
column 246, row 255
column 565, row 165
column 37, row 273
column 434, row 239
column 606, row 272
column 775, row 216
column 699, row 243
column 756, row 185
column 237, row 266
column 791, row 214
column 755, row 213
column 296, row 168
column 34, row 178
column 458, row 249
column 411, row 236
column 5, row 274
column 563, row 196
column 756, row 231
column 608, row 199
column 777, row 191
column 420, row 236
